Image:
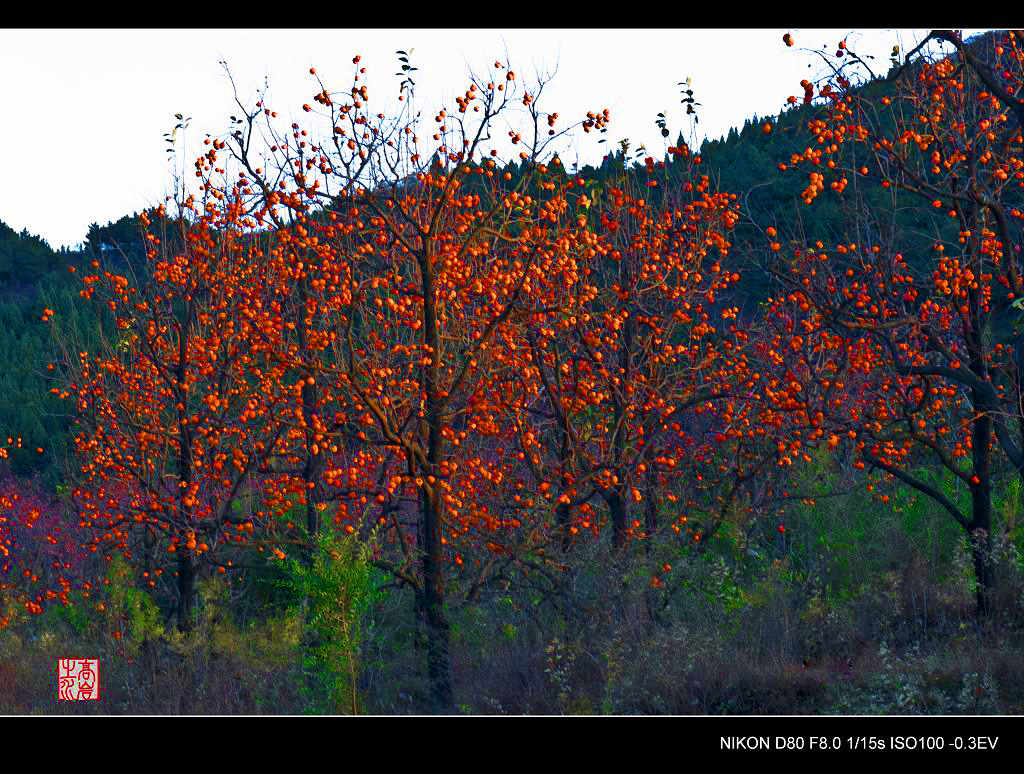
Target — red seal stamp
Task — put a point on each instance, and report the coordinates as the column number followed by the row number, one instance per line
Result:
column 78, row 679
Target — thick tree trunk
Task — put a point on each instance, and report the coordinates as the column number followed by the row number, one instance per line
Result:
column 650, row 511
column 438, row 633
column 617, row 509
column 617, row 503
column 979, row 320
column 186, row 593
column 981, row 513
column 562, row 512
column 981, row 553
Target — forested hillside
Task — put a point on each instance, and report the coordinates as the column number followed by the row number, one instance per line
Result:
column 730, row 429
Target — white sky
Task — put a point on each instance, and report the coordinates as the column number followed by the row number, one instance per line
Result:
column 85, row 110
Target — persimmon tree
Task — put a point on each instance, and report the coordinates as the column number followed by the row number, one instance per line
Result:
column 915, row 309
column 177, row 413
column 645, row 349
column 413, row 262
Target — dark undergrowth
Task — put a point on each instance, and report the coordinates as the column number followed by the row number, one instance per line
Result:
column 848, row 610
